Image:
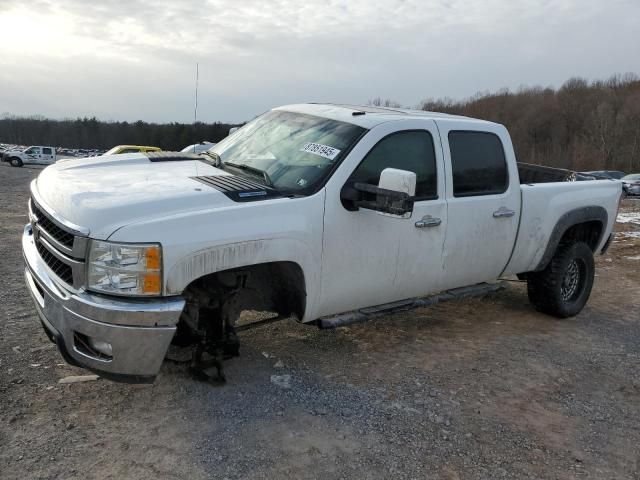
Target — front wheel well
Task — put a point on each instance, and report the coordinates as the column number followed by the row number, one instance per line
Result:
column 274, row 287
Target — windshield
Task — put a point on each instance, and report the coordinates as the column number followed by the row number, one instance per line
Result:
column 634, row 176
column 296, row 151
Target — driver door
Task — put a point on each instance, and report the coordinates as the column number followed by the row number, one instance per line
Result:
column 372, row 258
column 33, row 155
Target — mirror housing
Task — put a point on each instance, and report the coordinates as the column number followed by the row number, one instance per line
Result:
column 393, row 195
column 398, row 181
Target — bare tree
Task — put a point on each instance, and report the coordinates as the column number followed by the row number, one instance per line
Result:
column 379, row 102
column 581, row 125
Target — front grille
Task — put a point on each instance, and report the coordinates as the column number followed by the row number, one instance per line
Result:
column 62, row 236
column 61, row 250
column 61, row 269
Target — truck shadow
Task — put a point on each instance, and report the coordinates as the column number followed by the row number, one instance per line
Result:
column 424, row 339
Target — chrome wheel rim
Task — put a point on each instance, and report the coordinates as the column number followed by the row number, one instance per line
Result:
column 570, row 282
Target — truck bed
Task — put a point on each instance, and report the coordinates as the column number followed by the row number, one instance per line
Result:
column 543, row 204
column 531, row 174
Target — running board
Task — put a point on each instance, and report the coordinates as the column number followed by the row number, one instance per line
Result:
column 364, row 314
column 260, row 323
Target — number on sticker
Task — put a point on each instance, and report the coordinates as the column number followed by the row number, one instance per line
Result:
column 320, row 150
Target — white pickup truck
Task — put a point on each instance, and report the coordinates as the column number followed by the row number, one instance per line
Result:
column 36, row 155
column 328, row 213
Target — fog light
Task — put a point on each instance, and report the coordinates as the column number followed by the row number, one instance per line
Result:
column 101, row 346
column 97, row 349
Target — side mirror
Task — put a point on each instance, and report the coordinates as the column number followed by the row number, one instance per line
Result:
column 394, row 193
column 398, row 180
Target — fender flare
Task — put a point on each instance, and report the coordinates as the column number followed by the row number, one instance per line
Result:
column 568, row 220
column 224, row 257
column 228, row 256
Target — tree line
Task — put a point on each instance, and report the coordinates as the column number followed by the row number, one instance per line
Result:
column 91, row 133
column 580, row 126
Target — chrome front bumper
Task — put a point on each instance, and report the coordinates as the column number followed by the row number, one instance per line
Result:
column 139, row 330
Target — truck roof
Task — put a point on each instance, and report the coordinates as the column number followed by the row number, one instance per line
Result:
column 368, row 116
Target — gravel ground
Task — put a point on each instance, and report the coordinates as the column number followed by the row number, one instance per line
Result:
column 472, row 389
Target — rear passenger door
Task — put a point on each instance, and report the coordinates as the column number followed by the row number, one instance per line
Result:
column 46, row 157
column 483, row 201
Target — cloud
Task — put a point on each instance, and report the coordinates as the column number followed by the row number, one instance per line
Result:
column 136, row 58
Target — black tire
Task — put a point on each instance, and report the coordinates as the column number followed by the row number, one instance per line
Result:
column 15, row 162
column 563, row 287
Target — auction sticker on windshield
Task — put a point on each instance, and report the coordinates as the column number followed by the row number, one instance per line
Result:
column 321, row 150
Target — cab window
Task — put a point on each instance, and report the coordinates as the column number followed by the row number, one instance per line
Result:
column 411, row 150
column 46, row 151
column 478, row 164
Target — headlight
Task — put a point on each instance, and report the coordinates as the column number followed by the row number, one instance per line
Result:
column 124, row 269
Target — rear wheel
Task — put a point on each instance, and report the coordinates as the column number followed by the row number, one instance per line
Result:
column 563, row 287
column 15, row 162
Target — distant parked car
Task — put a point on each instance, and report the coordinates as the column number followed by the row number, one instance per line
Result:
column 131, row 149
column 37, row 155
column 615, row 174
column 631, row 184
column 198, row 147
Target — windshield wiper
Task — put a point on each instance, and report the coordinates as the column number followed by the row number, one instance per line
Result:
column 217, row 161
column 248, row 168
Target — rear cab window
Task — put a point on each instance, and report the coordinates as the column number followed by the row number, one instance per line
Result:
column 478, row 163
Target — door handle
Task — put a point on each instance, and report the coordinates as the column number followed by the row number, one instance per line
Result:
column 503, row 212
column 428, row 221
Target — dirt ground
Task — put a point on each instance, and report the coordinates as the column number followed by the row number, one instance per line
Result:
column 472, row 389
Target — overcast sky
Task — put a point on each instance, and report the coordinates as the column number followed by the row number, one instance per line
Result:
column 135, row 59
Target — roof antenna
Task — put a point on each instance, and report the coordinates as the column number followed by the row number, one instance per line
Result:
column 195, row 109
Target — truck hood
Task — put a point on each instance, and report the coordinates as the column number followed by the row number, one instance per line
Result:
column 105, row 193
